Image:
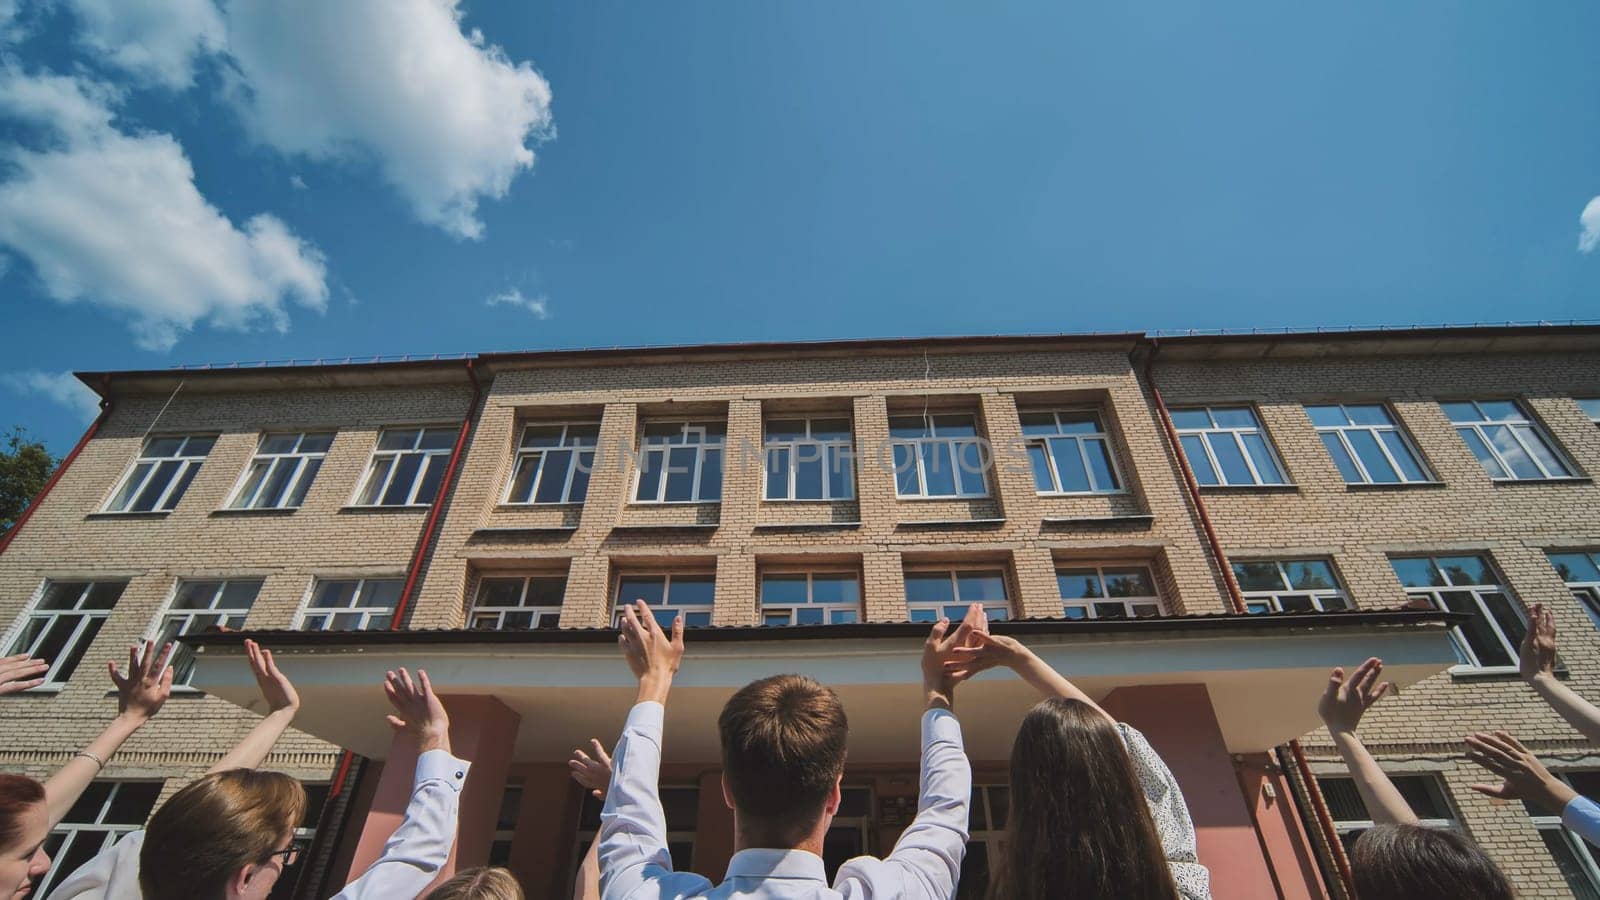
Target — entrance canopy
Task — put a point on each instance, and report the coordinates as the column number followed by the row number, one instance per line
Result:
column 1263, row 673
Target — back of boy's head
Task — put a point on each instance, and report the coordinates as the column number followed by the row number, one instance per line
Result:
column 1411, row 862
column 783, row 746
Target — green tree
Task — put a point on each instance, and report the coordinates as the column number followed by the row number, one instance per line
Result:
column 25, row 465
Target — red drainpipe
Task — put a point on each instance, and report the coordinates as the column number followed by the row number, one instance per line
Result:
column 27, row 513
column 1236, row 599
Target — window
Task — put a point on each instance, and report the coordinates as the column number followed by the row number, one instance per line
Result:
column 316, row 799
column 199, row 606
column 515, row 604
column 553, row 463
column 60, row 627
column 669, row 595
column 1289, row 585
column 810, row 598
column 1070, row 452
column 1366, row 444
column 681, row 462
column 1423, row 793
column 282, row 471
column 682, row 808
column 1110, row 592
column 161, row 474
column 937, row 456
column 407, row 467
column 105, row 812
column 1466, row 584
column 1570, row 853
column 505, row 825
column 1591, row 408
column 1581, row 572
column 948, row 592
column 986, row 832
column 1225, row 445
column 809, row 459
column 1509, row 446
column 850, row 833
column 365, row 604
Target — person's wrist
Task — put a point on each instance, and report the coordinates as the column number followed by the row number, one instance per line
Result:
column 1541, row 678
column 134, row 717
column 1557, row 793
column 655, row 686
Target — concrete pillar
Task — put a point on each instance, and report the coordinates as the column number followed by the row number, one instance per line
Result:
column 540, row 850
column 1180, row 724
column 713, row 837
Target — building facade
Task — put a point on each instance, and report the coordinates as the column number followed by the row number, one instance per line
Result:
column 1195, row 529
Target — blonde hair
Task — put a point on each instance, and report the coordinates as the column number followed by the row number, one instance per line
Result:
column 482, row 883
column 217, row 825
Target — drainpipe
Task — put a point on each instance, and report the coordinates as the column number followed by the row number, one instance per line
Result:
column 1323, row 820
column 27, row 513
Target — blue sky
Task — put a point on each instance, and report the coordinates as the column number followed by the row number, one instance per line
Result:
column 187, row 182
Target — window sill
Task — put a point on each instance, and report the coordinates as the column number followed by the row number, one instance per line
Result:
column 43, row 690
column 1121, row 493
column 804, row 526
column 268, row 512
column 717, row 502
column 151, row 514
column 1252, row 488
column 850, row 499
column 949, row 523
column 1391, row 485
column 420, row 507
column 922, row 499
column 516, row 506
column 1484, row 673
column 1141, row 519
column 1569, row 479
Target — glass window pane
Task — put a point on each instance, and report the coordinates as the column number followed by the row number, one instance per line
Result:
column 844, row 617
column 132, row 802
column 252, row 480
column 1075, row 612
column 405, row 477
column 1099, row 454
column 908, row 426
column 382, row 593
column 1310, row 575
column 334, row 595
column 955, row 426
column 1041, row 469
column 557, row 463
column 938, row 467
column 1507, row 617
column 523, row 479
column 976, row 587
column 308, row 474
column 195, row 595
column 778, row 473
column 547, row 591
column 773, row 619
column 1467, row 570
column 1590, row 406
column 783, row 589
column 1258, row 576
column 374, row 485
column 316, row 442
column 438, row 439
column 103, row 594
column 432, row 477
column 1129, row 583
column 1038, row 423
column 650, row 475
column 1515, row 457
column 1341, row 457
column 1476, row 631
column 1576, row 567
column 66, row 666
column 163, row 446
column 809, row 615
column 1266, row 464
column 1369, row 414
column 1459, row 413
column 688, row 590
column 184, row 479
column 1578, row 880
column 1078, row 584
column 1199, row 463
column 1334, row 603
column 500, row 592
column 841, row 476
column 125, row 495
column 239, row 594
column 1229, row 457
column 541, row 436
column 663, row 432
column 279, row 443
column 579, row 490
column 786, row 429
column 277, row 483
column 1481, row 451
column 835, row 589
column 1372, row 456
column 1080, row 422
column 929, row 587
column 649, row 588
column 681, row 465
column 905, row 471
column 970, row 465
column 1295, row 603
column 711, row 477
column 1500, row 410
column 924, row 615
column 830, row 429
column 1234, row 417
column 398, row 439
column 1110, row 611
column 62, row 595
column 1541, row 450
column 1409, row 466
column 1417, row 572
column 153, row 489
column 1069, row 465
column 808, row 472
column 1326, row 416
column 1191, row 418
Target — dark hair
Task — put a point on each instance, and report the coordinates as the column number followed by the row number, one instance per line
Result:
column 783, row 745
column 1078, row 824
column 17, row 793
column 217, row 825
column 1411, row 862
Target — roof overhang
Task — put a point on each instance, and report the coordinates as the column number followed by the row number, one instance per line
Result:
column 1263, row 674
column 269, row 377
column 1381, row 342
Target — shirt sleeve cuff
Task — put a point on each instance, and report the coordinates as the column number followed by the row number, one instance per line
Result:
column 439, row 765
column 646, row 716
column 940, row 725
column 1581, row 815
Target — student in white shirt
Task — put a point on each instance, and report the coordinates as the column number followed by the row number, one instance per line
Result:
column 783, row 748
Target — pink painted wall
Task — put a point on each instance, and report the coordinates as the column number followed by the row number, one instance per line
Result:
column 1283, row 835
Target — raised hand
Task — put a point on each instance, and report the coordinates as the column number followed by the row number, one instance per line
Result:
column 651, row 654
column 418, row 710
column 938, row 680
column 1345, row 700
column 1524, row 777
column 985, row 651
column 1538, row 656
column 593, row 772
column 20, row 672
column 147, row 683
column 276, row 688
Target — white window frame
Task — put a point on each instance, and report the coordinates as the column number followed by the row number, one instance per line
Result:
column 393, row 457
column 229, row 616
column 1273, row 599
column 792, row 609
column 1587, row 593
column 842, row 448
column 993, row 839
column 187, row 469
column 1590, row 407
column 368, row 613
column 1516, row 427
column 1577, row 846
column 954, row 573
column 1343, row 827
column 1342, row 434
column 14, row 635
column 696, row 435
column 955, row 443
column 1236, row 434
column 1077, row 438
column 1129, row 604
column 1434, row 595
column 481, row 610
column 108, row 833
column 516, row 787
column 666, row 595
column 301, row 460
column 579, row 451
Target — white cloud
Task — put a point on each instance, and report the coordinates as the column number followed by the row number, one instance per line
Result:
column 539, row 306
column 296, row 182
column 115, row 219
column 60, row 387
column 1589, row 238
column 447, row 117
column 156, row 40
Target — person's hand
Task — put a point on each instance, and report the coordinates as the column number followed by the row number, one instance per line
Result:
column 1525, row 778
column 418, row 710
column 1345, row 700
column 938, row 681
column 147, row 683
column 985, row 651
column 20, row 672
column 275, row 686
column 593, row 772
column 653, row 657
column 1538, row 656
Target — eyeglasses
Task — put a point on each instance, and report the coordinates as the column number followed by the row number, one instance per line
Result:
column 290, row 854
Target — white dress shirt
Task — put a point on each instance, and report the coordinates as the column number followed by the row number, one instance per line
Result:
column 1582, row 816
column 635, row 864
column 410, row 861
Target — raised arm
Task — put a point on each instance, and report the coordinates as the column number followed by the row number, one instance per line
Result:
column 594, row 773
column 282, row 704
column 989, row 650
column 1538, row 668
column 1341, row 708
column 140, row 693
